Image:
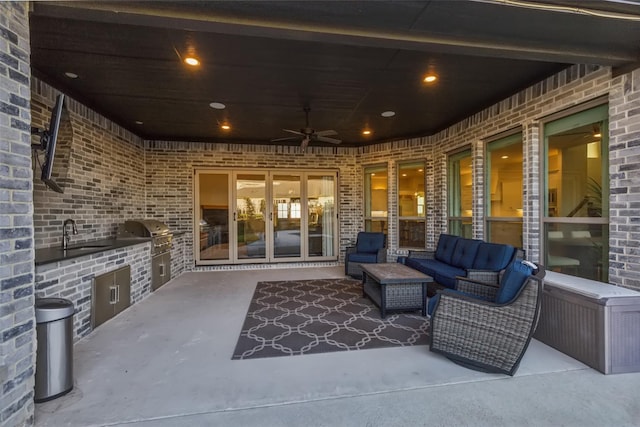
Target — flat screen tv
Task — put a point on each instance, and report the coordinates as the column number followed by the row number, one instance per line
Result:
column 55, row 145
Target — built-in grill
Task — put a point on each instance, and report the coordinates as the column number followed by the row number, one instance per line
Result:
column 160, row 246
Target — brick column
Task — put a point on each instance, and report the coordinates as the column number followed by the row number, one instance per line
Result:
column 17, row 319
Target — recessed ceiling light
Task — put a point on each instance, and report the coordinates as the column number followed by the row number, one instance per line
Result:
column 138, row 122
column 388, row 113
column 366, row 132
column 404, row 174
column 430, row 78
column 225, row 126
column 217, row 105
column 71, row 75
column 191, row 60
column 597, row 135
column 420, row 170
column 504, row 157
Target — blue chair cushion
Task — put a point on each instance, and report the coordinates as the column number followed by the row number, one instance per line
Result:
column 446, row 247
column 513, row 279
column 465, row 253
column 369, row 242
column 493, row 256
column 364, row 258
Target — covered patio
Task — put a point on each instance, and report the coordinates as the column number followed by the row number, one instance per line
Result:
column 155, row 366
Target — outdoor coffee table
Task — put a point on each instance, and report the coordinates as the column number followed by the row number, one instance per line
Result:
column 394, row 286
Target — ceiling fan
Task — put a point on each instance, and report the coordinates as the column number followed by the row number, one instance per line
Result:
column 307, row 134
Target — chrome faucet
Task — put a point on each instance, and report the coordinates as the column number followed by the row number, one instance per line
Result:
column 65, row 234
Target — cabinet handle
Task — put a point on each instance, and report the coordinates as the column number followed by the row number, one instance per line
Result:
column 117, row 293
column 113, row 290
column 161, row 266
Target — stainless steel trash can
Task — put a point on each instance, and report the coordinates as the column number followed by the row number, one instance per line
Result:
column 54, row 358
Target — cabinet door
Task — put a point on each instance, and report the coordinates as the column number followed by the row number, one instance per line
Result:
column 166, row 260
column 123, row 289
column 104, row 296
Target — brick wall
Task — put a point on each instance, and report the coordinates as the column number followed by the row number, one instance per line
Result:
column 17, row 319
column 624, row 161
column 105, row 182
column 170, row 173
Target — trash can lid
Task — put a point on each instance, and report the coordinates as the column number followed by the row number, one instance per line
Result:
column 50, row 309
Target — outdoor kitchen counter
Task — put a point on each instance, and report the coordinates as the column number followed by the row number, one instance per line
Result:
column 55, row 254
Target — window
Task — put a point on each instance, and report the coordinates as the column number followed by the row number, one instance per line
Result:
column 460, row 194
column 576, row 188
column 504, row 190
column 411, row 209
column 375, row 198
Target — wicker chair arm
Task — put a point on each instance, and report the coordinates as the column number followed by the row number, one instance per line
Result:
column 381, row 256
column 350, row 250
column 421, row 254
column 476, row 287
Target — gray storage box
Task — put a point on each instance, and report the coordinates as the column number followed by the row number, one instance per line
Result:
column 595, row 323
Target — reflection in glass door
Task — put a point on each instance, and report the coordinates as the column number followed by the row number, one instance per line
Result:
column 322, row 224
column 250, row 215
column 286, row 214
column 212, row 217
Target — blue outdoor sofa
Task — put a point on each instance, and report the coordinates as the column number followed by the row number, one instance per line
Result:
column 457, row 256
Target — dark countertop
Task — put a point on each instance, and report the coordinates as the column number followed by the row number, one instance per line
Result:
column 55, row 254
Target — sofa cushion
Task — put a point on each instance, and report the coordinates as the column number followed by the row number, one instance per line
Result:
column 446, row 275
column 493, row 256
column 446, row 247
column 365, row 258
column 369, row 243
column 513, row 279
column 465, row 253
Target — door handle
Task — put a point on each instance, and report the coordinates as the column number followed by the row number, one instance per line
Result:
column 113, row 294
column 234, row 216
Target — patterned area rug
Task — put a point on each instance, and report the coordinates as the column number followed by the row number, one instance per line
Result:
column 315, row 316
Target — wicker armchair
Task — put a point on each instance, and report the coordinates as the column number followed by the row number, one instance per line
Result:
column 370, row 248
column 473, row 330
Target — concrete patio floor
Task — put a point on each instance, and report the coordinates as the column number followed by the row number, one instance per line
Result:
column 167, row 362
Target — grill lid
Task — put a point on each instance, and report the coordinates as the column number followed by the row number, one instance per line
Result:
column 145, row 228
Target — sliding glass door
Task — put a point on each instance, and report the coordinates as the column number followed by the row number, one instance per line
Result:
column 264, row 216
column 286, row 216
column 249, row 211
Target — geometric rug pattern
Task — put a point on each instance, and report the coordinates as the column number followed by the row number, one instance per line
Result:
column 298, row 317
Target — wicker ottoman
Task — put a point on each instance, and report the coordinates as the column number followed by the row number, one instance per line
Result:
column 393, row 286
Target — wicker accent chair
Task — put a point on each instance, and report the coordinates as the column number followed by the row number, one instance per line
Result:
column 488, row 327
column 370, row 248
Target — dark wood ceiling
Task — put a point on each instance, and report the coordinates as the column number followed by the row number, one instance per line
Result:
column 348, row 60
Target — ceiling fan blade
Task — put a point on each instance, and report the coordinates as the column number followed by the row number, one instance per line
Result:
column 287, row 138
column 326, row 139
column 328, row 132
column 293, row 131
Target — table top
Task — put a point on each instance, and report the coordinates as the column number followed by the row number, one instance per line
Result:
column 394, row 272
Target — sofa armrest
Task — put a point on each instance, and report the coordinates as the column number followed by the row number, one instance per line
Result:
column 422, row 254
column 476, row 287
column 486, row 276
